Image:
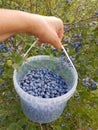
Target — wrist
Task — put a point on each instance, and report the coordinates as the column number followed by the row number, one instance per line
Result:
column 36, row 24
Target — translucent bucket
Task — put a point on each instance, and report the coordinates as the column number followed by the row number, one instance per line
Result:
column 45, row 110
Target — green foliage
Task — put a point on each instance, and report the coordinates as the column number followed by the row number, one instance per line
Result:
column 79, row 17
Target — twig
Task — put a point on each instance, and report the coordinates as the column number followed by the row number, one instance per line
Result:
column 81, row 20
column 31, row 6
column 41, row 126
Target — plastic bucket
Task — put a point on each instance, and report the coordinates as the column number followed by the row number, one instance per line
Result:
column 45, row 110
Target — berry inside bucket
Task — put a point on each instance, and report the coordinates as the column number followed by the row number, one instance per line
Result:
column 44, row 83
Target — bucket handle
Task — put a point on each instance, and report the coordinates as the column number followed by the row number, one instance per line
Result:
column 62, row 48
column 30, row 48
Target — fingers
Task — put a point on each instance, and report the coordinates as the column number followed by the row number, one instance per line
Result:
column 57, row 42
column 54, row 39
column 58, row 45
column 60, row 34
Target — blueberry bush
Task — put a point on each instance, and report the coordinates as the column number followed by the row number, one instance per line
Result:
column 80, row 39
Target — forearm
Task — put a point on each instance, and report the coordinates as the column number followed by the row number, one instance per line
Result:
column 13, row 21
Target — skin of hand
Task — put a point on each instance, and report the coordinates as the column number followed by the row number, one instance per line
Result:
column 47, row 28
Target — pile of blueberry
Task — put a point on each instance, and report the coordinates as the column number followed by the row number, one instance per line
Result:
column 44, row 83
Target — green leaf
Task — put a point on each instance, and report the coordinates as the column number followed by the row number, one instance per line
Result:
column 14, row 126
column 22, row 122
column 31, row 127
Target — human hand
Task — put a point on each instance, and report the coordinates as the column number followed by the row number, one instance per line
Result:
column 49, row 29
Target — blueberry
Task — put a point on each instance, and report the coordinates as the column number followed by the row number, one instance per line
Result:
column 43, row 96
column 96, row 13
column 67, row 114
column 30, row 92
column 46, row 96
column 10, row 40
column 63, row 124
column 27, row 81
column 77, row 98
column 93, row 85
column 54, row 49
column 62, row 53
column 85, row 82
column 85, row 79
column 1, row 71
column 21, row 84
column 89, row 129
column 78, row 35
column 66, row 28
column 77, row 44
column 72, row 58
column 2, row 46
